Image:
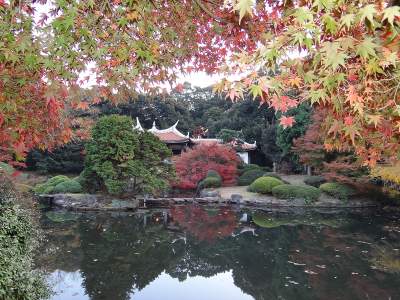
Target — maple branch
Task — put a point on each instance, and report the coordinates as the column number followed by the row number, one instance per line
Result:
column 208, row 12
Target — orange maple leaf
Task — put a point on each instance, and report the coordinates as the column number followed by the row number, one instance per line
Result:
column 286, row 122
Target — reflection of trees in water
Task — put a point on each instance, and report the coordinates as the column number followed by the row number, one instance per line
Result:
column 205, row 224
column 119, row 255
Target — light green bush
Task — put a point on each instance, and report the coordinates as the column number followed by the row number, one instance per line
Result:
column 48, row 190
column 249, row 176
column 209, row 182
column 338, row 190
column 56, row 180
column 264, row 185
column 68, row 186
column 48, row 186
column 288, row 191
column 315, row 181
column 6, row 168
column 18, row 243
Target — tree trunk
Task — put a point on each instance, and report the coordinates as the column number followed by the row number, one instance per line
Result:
column 274, row 167
column 309, row 172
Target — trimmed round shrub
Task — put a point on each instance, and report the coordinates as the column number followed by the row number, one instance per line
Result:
column 69, row 186
column 315, row 181
column 338, row 190
column 209, row 182
column 272, row 174
column 288, row 191
column 249, row 176
column 247, row 167
column 56, row 180
column 213, row 173
column 264, row 185
column 48, row 190
column 48, row 186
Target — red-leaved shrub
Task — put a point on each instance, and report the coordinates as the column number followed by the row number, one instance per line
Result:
column 192, row 165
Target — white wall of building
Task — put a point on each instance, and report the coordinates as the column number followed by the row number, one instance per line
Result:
column 244, row 156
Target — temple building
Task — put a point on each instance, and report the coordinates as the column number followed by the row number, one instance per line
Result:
column 177, row 141
column 171, row 136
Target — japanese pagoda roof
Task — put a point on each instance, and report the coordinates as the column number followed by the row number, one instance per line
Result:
column 169, row 135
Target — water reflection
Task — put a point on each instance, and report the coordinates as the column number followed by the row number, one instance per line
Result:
column 191, row 252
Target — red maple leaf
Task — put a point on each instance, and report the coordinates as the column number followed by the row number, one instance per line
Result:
column 286, row 122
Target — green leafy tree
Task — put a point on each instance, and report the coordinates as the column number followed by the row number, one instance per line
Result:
column 269, row 146
column 19, row 238
column 228, row 135
column 123, row 160
column 285, row 136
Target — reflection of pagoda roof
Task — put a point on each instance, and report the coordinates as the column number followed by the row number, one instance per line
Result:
column 169, row 135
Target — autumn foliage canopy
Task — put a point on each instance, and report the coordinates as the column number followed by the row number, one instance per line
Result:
column 192, row 166
column 343, row 54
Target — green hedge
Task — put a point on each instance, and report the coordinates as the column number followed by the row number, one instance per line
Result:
column 338, row 190
column 315, row 181
column 49, row 185
column 59, row 185
column 57, row 179
column 213, row 173
column 68, row 186
column 288, row 191
column 264, row 185
column 248, row 167
column 249, row 176
column 210, row 182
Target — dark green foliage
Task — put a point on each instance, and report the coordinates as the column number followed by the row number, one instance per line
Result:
column 264, row 185
column 288, row 191
column 18, row 241
column 65, row 159
column 210, row 182
column 81, row 179
column 284, row 137
column 315, row 181
column 268, row 144
column 338, row 190
column 49, row 185
column 125, row 161
column 213, row 173
column 249, row 176
column 272, row 174
column 213, row 179
column 201, row 107
column 228, row 135
column 247, row 167
column 68, row 186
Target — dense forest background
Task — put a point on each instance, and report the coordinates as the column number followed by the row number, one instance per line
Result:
column 198, row 110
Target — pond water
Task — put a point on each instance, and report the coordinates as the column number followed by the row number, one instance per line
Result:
column 192, row 252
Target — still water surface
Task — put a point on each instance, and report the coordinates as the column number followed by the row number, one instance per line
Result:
column 192, row 252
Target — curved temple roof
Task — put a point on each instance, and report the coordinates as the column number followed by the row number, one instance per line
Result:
column 168, row 135
column 172, row 135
